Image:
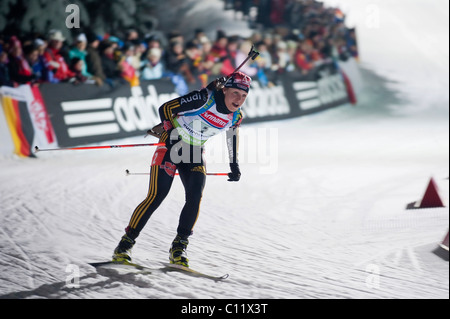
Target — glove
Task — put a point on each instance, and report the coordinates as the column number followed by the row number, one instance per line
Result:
column 156, row 131
column 235, row 174
column 217, row 84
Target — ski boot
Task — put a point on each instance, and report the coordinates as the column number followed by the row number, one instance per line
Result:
column 177, row 253
column 122, row 253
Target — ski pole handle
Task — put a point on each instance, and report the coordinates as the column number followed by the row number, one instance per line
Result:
column 37, row 149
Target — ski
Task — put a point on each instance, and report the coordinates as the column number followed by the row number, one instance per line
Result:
column 123, row 265
column 192, row 272
column 146, row 270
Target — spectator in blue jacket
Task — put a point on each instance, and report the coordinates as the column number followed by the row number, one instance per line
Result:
column 36, row 62
column 79, row 51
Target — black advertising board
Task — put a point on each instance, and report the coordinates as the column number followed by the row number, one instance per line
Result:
column 296, row 95
column 86, row 114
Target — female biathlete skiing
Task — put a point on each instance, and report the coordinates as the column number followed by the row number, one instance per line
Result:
column 187, row 123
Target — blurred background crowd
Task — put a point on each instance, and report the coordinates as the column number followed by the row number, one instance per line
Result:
column 291, row 35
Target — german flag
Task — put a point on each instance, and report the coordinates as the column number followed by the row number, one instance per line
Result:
column 19, row 124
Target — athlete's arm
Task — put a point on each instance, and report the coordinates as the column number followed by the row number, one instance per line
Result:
column 233, row 151
column 233, row 144
column 190, row 101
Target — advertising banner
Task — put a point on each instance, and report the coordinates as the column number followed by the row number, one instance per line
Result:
column 88, row 114
column 296, row 95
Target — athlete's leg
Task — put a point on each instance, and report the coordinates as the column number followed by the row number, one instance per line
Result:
column 193, row 178
column 162, row 173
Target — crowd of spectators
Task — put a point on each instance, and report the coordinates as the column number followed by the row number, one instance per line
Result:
column 299, row 35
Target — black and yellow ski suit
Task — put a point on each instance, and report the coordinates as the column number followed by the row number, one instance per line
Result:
column 189, row 121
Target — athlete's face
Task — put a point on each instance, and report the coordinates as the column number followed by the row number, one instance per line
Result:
column 234, row 98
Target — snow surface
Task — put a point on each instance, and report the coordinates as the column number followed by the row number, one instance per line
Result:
column 319, row 211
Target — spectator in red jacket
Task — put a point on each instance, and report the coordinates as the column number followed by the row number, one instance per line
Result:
column 55, row 60
column 305, row 56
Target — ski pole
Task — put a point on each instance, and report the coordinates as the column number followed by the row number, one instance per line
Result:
column 253, row 54
column 128, row 173
column 37, row 149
